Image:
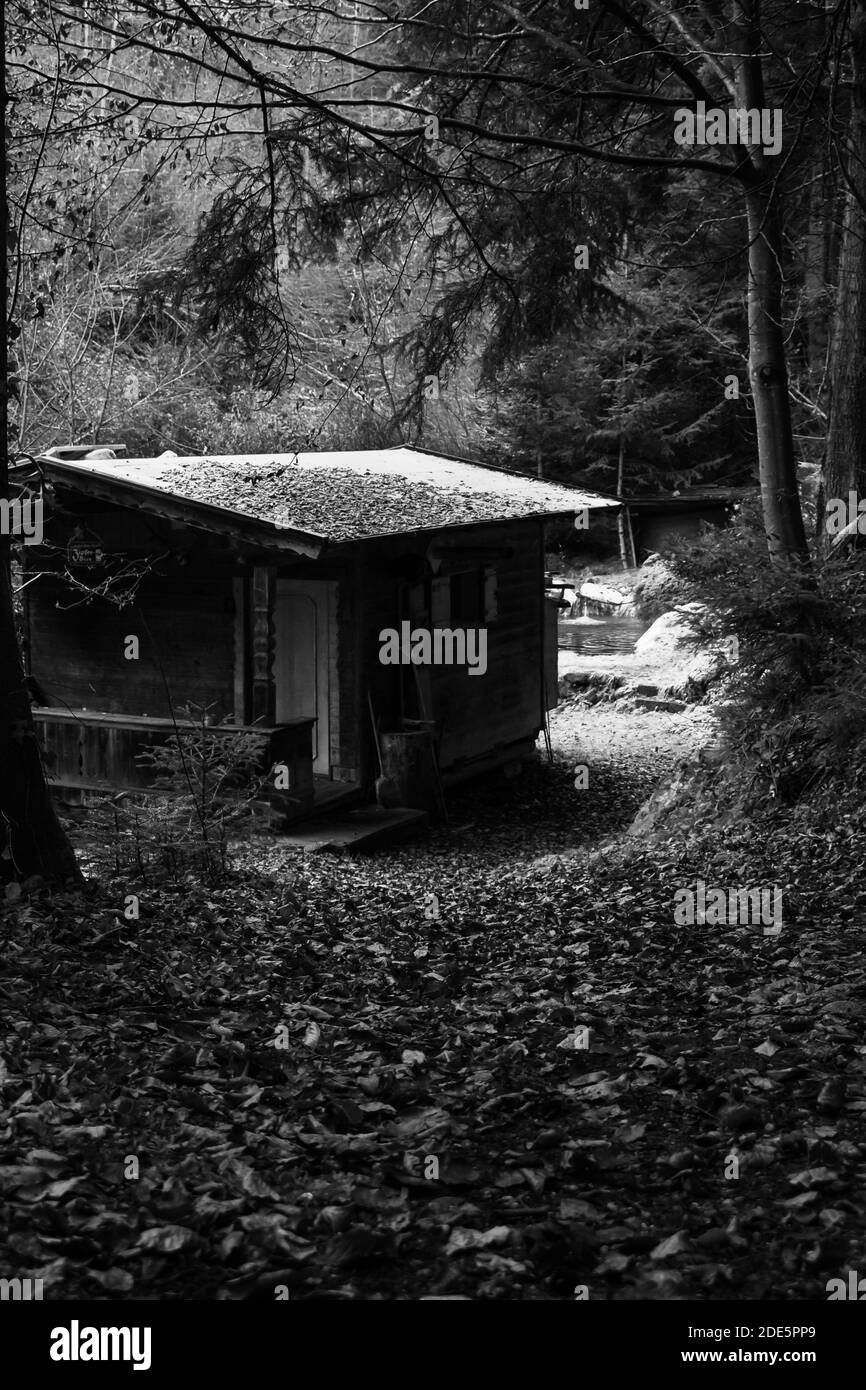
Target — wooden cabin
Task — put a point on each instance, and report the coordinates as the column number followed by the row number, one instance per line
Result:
column 261, row 586
column 661, row 517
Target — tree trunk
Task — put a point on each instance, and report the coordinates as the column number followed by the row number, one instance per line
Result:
column 845, row 465
column 32, row 841
column 768, row 371
column 626, row 539
column 817, row 272
column 768, row 374
column 820, row 249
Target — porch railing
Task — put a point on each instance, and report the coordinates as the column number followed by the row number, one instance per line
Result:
column 86, row 751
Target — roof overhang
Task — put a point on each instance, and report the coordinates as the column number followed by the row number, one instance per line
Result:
column 205, row 515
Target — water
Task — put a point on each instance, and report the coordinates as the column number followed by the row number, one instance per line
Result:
column 602, row 636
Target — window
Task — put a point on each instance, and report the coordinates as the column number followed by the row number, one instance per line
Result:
column 465, row 599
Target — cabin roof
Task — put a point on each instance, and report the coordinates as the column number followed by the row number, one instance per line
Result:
column 329, row 497
column 687, row 498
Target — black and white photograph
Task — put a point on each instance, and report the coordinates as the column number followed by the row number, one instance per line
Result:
column 433, row 660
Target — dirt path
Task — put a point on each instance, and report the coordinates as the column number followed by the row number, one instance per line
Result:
column 627, row 752
column 648, row 743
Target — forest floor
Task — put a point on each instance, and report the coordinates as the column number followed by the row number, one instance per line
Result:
column 460, row 1068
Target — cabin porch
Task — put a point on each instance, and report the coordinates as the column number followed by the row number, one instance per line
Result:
column 87, row 752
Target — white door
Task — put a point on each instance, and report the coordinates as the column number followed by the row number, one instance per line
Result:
column 304, row 630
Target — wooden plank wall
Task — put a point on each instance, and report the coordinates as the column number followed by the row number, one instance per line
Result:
column 551, row 653
column 484, row 713
column 183, row 617
column 347, row 713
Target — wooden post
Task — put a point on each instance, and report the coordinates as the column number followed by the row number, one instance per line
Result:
column 263, row 689
column 627, row 552
column 362, row 754
column 239, row 595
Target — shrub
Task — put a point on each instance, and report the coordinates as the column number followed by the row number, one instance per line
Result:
column 204, row 778
column 795, row 702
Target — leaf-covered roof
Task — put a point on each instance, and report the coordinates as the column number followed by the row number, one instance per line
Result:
column 345, row 496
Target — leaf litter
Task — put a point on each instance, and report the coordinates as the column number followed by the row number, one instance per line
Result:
column 298, row 1081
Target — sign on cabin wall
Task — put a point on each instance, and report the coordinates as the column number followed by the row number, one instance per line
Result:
column 84, row 550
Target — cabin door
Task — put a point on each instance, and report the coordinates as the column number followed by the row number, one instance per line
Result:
column 304, row 633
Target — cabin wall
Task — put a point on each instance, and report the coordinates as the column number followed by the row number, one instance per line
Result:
column 551, row 653
column 205, row 618
column 654, row 529
column 182, row 615
column 349, row 744
column 480, row 714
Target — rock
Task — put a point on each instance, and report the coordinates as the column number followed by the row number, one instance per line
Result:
column 705, row 667
column 666, row 706
column 658, row 588
column 671, row 633
column 602, row 593
column 585, row 682
column 571, row 682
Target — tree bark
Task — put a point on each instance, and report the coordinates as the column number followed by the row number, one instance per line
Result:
column 32, row 840
column 845, row 464
column 818, row 272
column 768, row 370
column 768, row 374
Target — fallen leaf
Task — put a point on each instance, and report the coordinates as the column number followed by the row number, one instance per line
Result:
column 672, row 1245
column 462, row 1239
column 167, row 1240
